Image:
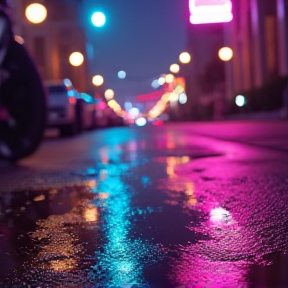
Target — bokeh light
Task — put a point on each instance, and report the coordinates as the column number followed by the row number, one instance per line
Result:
column 109, row 94
column 76, row 59
column 98, row 19
column 225, row 54
column 174, row 68
column 174, row 97
column 155, row 84
column 36, row 13
column 240, row 100
column 121, row 74
column 182, row 98
column 141, row 121
column 161, row 80
column 185, row 57
column 134, row 112
column 169, row 78
column 19, row 39
column 97, row 80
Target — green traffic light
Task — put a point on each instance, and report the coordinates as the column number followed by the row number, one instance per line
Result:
column 98, row 19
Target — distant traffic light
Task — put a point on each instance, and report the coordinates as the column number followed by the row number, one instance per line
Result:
column 98, row 19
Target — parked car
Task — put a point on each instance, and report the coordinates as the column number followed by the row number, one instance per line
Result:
column 89, row 111
column 114, row 119
column 64, row 107
column 102, row 116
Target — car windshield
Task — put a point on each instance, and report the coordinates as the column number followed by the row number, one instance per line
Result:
column 57, row 89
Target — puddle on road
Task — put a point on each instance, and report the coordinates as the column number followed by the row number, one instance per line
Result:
column 142, row 224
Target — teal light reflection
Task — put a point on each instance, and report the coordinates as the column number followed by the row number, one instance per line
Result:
column 122, row 260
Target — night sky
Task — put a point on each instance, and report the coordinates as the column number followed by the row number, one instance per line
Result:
column 141, row 37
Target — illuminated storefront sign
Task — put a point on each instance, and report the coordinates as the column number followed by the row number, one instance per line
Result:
column 210, row 11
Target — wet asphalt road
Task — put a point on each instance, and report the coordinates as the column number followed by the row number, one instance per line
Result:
column 180, row 205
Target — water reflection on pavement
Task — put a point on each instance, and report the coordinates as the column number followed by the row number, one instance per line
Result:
column 149, row 222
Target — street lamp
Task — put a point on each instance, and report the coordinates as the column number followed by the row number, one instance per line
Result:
column 98, row 19
column 109, row 94
column 225, row 53
column 174, row 68
column 97, row 80
column 169, row 78
column 76, row 59
column 36, row 13
column 185, row 57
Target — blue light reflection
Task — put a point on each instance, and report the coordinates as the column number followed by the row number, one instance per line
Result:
column 123, row 258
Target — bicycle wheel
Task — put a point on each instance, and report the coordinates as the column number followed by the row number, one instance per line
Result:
column 23, row 95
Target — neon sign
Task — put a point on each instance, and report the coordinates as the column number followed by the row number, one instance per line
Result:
column 210, row 11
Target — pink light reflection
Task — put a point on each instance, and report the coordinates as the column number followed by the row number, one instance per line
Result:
column 210, row 11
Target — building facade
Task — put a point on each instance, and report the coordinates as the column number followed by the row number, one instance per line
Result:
column 258, row 36
column 50, row 43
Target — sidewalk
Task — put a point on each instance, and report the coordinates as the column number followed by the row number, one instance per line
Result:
column 265, row 115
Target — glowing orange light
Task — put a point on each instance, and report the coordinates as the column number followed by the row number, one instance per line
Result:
column 225, row 54
column 36, row 13
column 185, row 57
column 76, row 59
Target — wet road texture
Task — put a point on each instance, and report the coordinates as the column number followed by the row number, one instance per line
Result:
column 164, row 208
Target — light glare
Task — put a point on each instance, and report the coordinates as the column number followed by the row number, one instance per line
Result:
column 185, row 57
column 240, row 100
column 134, row 112
column 174, row 68
column 122, row 74
column 169, row 78
column 182, row 98
column 97, row 80
column 225, row 53
column 76, row 59
column 141, row 121
column 98, row 19
column 36, row 13
column 210, row 11
column 161, row 81
column 155, row 84
column 109, row 94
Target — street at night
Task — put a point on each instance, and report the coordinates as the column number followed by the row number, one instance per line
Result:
column 144, row 144
column 176, row 205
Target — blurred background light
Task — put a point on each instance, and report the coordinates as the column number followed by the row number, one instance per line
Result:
column 210, row 11
column 225, row 53
column 97, row 80
column 122, row 74
column 36, row 13
column 174, row 68
column 184, row 57
column 19, row 39
column 134, row 112
column 155, row 84
column 128, row 106
column 179, row 89
column 240, row 100
column 161, row 80
column 76, row 59
column 220, row 215
column 141, row 121
column 169, row 78
column 109, row 94
column 182, row 98
column 98, row 19
column 174, row 97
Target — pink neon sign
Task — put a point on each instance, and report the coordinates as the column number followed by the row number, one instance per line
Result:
column 210, row 11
